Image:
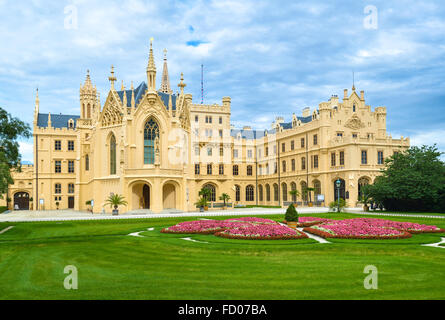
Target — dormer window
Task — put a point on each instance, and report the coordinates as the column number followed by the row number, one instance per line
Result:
column 71, row 123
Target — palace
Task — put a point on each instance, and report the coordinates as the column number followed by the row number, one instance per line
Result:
column 158, row 149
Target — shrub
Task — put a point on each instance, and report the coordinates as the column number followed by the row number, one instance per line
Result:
column 291, row 214
column 334, row 204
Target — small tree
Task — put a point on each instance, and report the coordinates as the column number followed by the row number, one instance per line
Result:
column 291, row 214
column 224, row 197
column 365, row 197
column 201, row 203
column 205, row 192
column 116, row 200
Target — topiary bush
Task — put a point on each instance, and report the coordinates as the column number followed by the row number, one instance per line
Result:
column 291, row 214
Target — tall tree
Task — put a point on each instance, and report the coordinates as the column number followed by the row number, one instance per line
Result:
column 10, row 130
column 412, row 181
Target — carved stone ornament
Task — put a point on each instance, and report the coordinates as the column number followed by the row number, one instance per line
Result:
column 354, row 123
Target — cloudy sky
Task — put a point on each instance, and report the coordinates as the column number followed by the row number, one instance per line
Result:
column 272, row 57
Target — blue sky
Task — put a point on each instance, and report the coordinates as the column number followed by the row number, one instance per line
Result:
column 272, row 57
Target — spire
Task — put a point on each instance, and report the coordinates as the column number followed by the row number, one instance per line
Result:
column 132, row 96
column 165, row 85
column 49, row 119
column 353, row 81
column 181, row 84
column 122, row 86
column 151, row 70
column 124, row 98
column 112, row 78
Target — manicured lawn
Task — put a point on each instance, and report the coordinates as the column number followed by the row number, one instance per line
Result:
column 113, row 265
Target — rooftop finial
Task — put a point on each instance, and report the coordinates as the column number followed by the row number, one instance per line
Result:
column 151, row 70
column 353, row 81
column 181, row 84
column 165, row 85
column 112, row 78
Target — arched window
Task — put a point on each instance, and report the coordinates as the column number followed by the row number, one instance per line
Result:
column 260, row 191
column 304, row 193
column 237, row 193
column 275, row 192
column 267, row 192
column 284, row 190
column 151, row 132
column 293, row 187
column 317, row 189
column 212, row 196
column 112, row 155
column 249, row 193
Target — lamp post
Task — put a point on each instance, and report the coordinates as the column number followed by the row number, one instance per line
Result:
column 338, row 184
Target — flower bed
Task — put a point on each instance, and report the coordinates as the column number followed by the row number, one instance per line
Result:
column 356, row 231
column 238, row 228
column 261, row 232
column 404, row 226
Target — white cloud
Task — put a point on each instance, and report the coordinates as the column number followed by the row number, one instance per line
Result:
column 26, row 150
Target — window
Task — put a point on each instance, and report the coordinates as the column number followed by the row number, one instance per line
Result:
column 260, row 192
column 267, row 151
column 302, row 142
column 57, row 145
column 293, row 187
column 267, row 192
column 315, row 161
column 221, row 151
column 196, row 151
column 284, row 191
column 112, row 155
column 235, row 170
column 353, row 108
column 209, row 151
column 58, row 188
column 284, row 166
column 354, row 135
column 315, row 139
column 237, row 193
column 196, row 118
column 58, row 166
column 71, row 188
column 221, row 169
column 151, row 135
column 333, row 159
column 220, row 120
column 235, row 153
column 275, row 167
column 212, row 196
column 249, row 193
column 70, row 166
column 197, row 171
column 303, row 163
column 249, row 153
column 249, row 170
column 87, row 163
column 292, row 145
column 380, row 157
column 293, row 164
column 220, row 133
column 208, row 119
column 339, row 134
column 70, row 145
column 283, row 147
column 209, row 169
column 342, row 158
column 275, row 192
column 364, row 157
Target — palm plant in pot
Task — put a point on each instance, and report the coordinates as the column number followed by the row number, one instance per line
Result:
column 201, row 203
column 309, row 190
column 291, row 216
column 116, row 200
column 205, row 193
column 224, row 197
column 365, row 197
column 294, row 194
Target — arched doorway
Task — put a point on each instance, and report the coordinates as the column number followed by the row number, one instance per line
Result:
column 21, row 201
column 169, row 196
column 146, row 197
column 342, row 189
column 363, row 181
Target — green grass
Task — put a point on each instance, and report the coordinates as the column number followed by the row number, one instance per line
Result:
column 113, row 265
column 3, row 209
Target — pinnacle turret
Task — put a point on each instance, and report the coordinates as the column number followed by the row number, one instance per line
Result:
column 165, row 85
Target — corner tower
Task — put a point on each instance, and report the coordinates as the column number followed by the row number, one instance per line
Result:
column 88, row 99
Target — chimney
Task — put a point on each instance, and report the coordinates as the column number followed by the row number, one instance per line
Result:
column 346, row 94
column 362, row 95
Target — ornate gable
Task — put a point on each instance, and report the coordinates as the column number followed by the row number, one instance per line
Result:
column 112, row 113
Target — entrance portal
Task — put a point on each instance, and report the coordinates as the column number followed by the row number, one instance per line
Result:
column 146, row 197
column 21, row 201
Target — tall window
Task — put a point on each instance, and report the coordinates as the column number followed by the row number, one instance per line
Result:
column 209, row 169
column 249, row 170
column 364, row 157
column 293, row 164
column 302, row 142
column 70, row 166
column 267, row 192
column 380, row 157
column 212, row 196
column 70, row 145
column 71, row 188
column 151, row 132
column 58, row 166
column 112, row 155
column 284, row 165
column 283, row 147
column 249, row 193
column 284, row 191
column 315, row 161
column 333, row 159
column 293, row 187
column 197, row 168
column 235, row 170
column 315, row 139
column 303, row 163
column 260, row 192
column 275, row 192
column 342, row 158
column 221, row 169
column 292, row 145
column 58, row 188
column 57, row 145
column 237, row 193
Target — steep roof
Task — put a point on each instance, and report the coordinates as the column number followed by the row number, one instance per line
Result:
column 139, row 93
column 57, row 120
column 247, row 134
